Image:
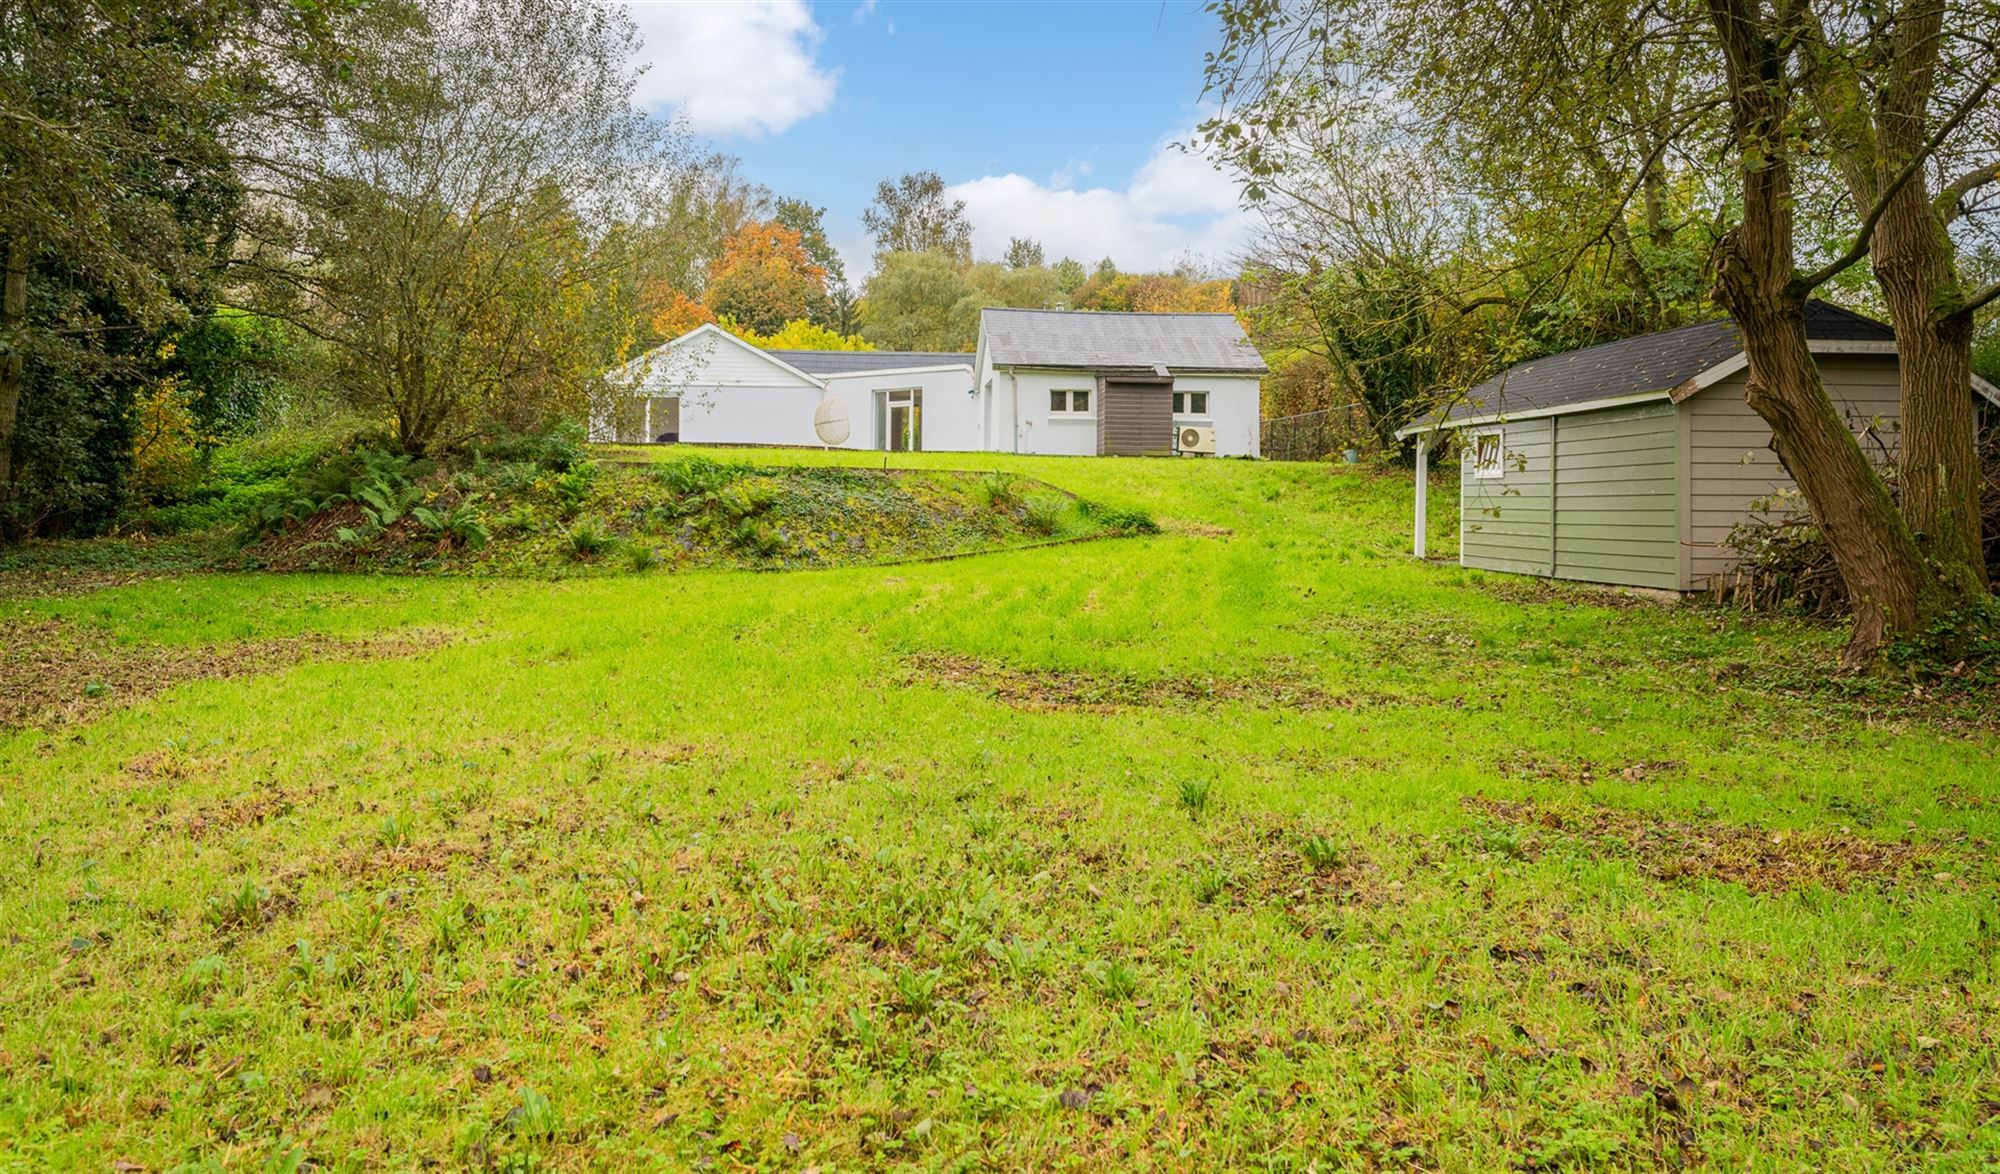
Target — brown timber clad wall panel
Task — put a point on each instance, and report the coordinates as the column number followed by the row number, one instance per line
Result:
column 1135, row 419
column 1732, row 462
column 1503, row 522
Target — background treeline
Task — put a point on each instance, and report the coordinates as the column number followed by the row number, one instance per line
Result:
column 772, row 277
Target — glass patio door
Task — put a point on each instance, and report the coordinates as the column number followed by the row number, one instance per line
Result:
column 899, row 421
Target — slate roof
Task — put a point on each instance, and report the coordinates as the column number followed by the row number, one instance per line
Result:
column 1650, row 362
column 1107, row 341
column 848, row 362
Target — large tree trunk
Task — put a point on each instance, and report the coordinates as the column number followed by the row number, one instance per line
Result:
column 1871, row 544
column 1938, row 460
column 1916, row 264
column 13, row 366
column 1757, row 282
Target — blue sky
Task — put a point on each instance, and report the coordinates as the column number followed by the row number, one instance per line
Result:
column 1054, row 120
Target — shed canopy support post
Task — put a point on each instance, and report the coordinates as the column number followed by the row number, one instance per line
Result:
column 1423, row 494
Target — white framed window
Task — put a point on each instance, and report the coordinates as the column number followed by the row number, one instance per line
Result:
column 1190, row 403
column 1065, row 401
column 1488, row 453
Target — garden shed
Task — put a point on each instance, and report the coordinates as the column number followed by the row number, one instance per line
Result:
column 1630, row 462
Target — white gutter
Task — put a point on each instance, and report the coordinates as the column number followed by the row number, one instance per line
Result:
column 869, row 374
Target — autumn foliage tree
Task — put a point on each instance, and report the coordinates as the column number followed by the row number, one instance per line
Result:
column 672, row 313
column 764, row 279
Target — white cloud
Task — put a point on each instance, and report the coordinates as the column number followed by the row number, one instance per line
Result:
column 863, row 11
column 744, row 68
column 1178, row 203
column 1067, row 175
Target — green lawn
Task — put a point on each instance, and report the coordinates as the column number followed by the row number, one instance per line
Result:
column 1253, row 844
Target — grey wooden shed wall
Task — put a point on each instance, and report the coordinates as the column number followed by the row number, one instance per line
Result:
column 1503, row 522
column 1730, row 462
column 1590, row 495
column 1644, row 495
column 1617, row 508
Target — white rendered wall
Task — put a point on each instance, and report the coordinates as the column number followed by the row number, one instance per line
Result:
column 750, row 415
column 951, row 413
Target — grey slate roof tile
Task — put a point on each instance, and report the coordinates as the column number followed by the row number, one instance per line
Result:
column 1104, row 340
column 1650, row 362
column 848, row 362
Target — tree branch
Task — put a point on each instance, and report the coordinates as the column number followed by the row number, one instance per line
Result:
column 1981, row 299
column 1859, row 249
column 1947, row 202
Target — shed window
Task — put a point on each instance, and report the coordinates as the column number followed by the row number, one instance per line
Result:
column 1486, row 455
column 1066, row 402
column 1190, row 403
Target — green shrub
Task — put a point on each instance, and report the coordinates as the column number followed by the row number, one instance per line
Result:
column 756, row 537
column 694, row 475
column 747, row 499
column 1045, row 515
column 641, row 557
column 461, row 525
column 559, row 450
column 570, row 489
column 587, row 539
column 1001, row 491
column 1124, row 521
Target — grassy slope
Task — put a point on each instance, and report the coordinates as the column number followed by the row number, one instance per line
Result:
column 692, row 868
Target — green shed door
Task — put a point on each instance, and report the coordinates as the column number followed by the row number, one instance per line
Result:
column 1617, row 496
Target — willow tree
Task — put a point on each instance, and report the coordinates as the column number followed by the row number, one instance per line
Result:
column 1577, row 115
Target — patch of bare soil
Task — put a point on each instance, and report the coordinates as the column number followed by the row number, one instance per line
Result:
column 40, row 583
column 1262, row 862
column 1583, row 772
column 245, row 811
column 1063, row 689
column 1529, row 589
column 52, row 673
column 1195, row 529
column 1759, row 859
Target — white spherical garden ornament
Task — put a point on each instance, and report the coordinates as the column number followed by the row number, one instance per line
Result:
column 830, row 421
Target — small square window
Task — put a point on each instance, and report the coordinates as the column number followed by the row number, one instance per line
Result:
column 1487, row 454
column 1069, row 402
column 1190, row 403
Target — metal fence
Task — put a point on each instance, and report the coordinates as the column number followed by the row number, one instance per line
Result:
column 1309, row 436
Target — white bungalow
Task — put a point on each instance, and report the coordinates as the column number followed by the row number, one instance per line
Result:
column 1041, row 381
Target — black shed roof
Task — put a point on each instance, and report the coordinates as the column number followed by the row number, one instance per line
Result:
column 1632, row 366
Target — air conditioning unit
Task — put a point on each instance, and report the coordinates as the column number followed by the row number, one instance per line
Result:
column 1192, row 439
